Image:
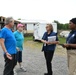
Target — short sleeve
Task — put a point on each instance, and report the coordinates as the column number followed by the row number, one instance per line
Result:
column 3, row 34
column 44, row 36
column 57, row 38
column 75, row 36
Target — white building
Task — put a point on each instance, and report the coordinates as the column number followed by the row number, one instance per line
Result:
column 40, row 28
column 29, row 25
column 36, row 27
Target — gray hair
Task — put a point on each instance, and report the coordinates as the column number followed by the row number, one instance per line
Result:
column 8, row 20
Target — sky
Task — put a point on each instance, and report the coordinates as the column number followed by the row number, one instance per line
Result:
column 48, row 10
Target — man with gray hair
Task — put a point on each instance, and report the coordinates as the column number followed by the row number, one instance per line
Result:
column 8, row 44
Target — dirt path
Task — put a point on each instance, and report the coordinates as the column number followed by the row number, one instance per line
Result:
column 35, row 63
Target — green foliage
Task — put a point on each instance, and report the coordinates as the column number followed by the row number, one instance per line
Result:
column 19, row 18
column 61, row 26
column 29, row 38
column 62, row 40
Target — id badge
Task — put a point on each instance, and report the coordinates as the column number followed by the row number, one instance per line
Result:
column 44, row 44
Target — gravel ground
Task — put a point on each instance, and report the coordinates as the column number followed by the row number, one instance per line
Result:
column 33, row 60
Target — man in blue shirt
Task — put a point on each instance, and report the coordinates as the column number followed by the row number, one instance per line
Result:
column 71, row 47
column 8, row 44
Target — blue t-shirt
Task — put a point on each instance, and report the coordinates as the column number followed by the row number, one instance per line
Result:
column 49, row 47
column 10, row 41
column 19, row 39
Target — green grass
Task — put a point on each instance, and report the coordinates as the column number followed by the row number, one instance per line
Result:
column 30, row 43
column 29, row 38
column 62, row 40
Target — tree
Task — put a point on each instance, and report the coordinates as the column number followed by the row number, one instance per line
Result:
column 62, row 26
column 19, row 18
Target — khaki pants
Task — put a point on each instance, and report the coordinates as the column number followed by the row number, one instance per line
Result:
column 72, row 62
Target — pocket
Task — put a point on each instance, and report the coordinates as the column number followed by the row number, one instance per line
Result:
column 6, row 59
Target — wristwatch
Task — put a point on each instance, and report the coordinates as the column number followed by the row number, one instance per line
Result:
column 6, row 52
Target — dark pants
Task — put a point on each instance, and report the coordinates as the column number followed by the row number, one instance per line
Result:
column 9, row 65
column 48, row 56
column 19, row 56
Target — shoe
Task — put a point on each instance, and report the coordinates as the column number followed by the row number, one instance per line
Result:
column 47, row 74
column 22, row 68
column 15, row 73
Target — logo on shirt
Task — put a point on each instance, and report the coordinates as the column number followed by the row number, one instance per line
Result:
column 73, row 35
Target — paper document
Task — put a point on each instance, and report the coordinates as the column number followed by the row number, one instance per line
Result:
column 51, row 38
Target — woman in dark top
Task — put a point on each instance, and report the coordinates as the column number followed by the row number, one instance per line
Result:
column 71, row 47
column 49, row 47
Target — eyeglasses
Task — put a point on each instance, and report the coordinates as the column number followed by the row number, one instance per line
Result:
column 47, row 27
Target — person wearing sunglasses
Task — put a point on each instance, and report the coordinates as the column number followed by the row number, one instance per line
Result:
column 49, row 47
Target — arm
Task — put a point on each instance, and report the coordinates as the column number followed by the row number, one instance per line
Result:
column 15, row 38
column 44, row 38
column 43, row 41
column 4, row 49
column 2, row 45
column 55, row 42
column 70, row 45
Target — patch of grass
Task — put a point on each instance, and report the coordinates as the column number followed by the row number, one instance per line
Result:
column 62, row 40
column 29, row 38
column 32, row 44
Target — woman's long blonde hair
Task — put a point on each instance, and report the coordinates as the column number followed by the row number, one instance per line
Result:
column 51, row 26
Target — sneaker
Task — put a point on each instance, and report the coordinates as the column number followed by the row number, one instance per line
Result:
column 47, row 74
column 15, row 73
column 22, row 68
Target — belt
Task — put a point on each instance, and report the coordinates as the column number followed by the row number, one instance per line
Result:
column 71, row 48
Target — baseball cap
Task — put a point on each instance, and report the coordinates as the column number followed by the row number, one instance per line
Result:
column 73, row 20
column 20, row 25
